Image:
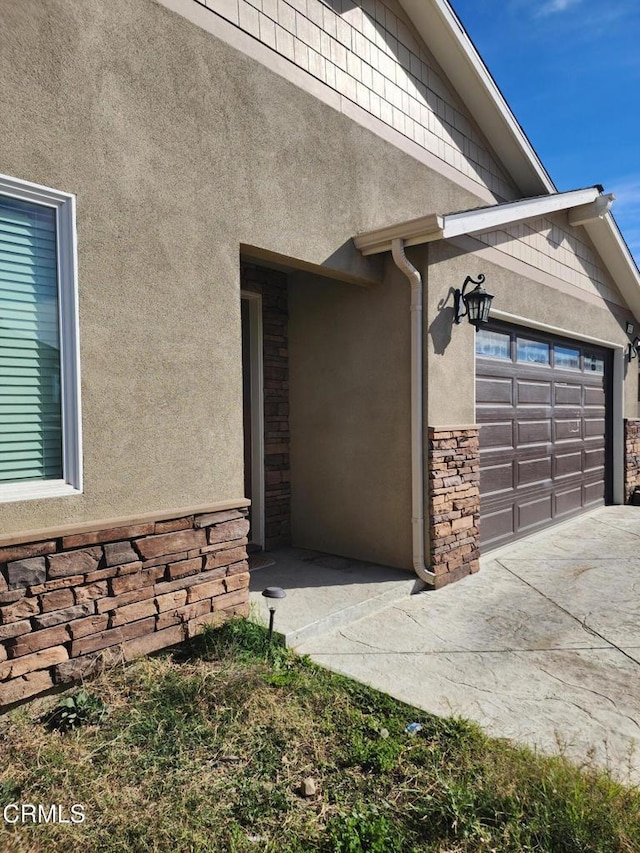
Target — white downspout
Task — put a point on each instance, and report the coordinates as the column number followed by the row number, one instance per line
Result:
column 417, row 443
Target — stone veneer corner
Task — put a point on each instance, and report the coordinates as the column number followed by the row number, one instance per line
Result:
column 631, row 456
column 453, row 502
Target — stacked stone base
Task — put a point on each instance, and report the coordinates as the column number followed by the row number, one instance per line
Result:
column 71, row 605
column 631, row 456
column 454, row 502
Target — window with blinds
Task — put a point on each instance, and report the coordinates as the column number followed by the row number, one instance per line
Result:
column 30, row 376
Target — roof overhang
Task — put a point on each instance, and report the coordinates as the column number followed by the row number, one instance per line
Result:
column 612, row 248
column 461, row 63
column 588, row 208
column 456, row 54
column 585, row 204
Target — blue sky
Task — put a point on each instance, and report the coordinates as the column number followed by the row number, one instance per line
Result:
column 570, row 71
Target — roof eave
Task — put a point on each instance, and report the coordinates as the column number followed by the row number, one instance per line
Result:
column 414, row 231
column 441, row 227
column 457, row 56
column 610, row 245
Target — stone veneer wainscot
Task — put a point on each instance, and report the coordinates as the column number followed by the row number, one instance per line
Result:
column 72, row 604
column 453, row 502
column 631, row 455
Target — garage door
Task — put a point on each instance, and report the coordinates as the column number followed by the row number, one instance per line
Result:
column 542, row 406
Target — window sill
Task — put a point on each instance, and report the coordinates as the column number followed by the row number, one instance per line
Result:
column 38, row 490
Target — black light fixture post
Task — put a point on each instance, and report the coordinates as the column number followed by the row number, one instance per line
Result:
column 273, row 593
column 634, row 349
column 477, row 303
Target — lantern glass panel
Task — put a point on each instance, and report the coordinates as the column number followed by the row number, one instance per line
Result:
column 474, row 309
column 478, row 303
column 486, row 307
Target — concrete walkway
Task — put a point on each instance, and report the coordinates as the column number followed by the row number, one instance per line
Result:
column 542, row 646
column 326, row 592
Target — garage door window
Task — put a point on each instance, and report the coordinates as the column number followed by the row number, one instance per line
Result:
column 532, row 352
column 493, row 344
column 567, row 359
column 593, row 363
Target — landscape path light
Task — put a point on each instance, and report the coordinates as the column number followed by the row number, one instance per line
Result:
column 273, row 594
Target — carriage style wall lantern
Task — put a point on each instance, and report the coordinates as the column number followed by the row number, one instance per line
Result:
column 477, row 302
column 634, row 349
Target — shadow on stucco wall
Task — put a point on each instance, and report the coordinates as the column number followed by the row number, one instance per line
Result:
column 440, row 329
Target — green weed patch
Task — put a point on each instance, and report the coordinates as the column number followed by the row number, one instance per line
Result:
column 233, row 744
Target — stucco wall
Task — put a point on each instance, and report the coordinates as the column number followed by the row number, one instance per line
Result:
column 370, row 53
column 350, row 417
column 179, row 149
column 450, row 348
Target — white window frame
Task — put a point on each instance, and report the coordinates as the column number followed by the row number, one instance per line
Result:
column 64, row 205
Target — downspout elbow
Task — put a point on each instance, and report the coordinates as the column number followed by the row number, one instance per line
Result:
column 417, row 449
column 405, row 266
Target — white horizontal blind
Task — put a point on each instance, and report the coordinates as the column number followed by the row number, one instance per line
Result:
column 30, row 404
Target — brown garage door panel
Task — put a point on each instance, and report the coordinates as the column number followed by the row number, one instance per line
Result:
column 498, row 478
column 533, row 392
column 542, row 432
column 534, row 513
column 568, row 501
column 499, row 525
column 593, row 427
column 532, row 471
column 567, row 429
column 593, row 493
column 498, row 434
column 567, row 463
column 594, row 459
column 494, row 390
column 594, row 396
column 533, row 431
column 567, row 394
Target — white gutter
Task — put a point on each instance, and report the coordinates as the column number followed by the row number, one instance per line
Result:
column 588, row 205
column 417, row 442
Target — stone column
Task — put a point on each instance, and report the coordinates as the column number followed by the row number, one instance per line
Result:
column 631, row 455
column 453, row 459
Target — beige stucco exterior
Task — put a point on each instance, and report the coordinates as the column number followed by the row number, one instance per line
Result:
column 216, row 152
column 184, row 153
column 180, row 149
column 350, row 417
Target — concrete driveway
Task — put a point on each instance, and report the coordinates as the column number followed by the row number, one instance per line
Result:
column 542, row 646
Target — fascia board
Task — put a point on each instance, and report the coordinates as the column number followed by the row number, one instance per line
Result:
column 454, row 51
column 413, row 232
column 425, row 229
column 490, row 218
column 610, row 245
